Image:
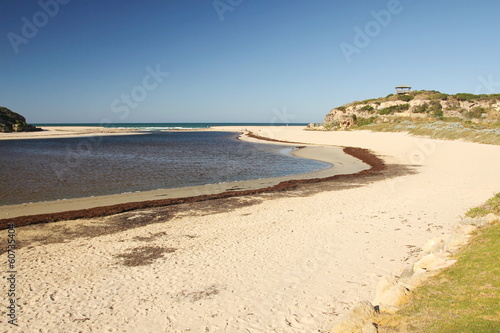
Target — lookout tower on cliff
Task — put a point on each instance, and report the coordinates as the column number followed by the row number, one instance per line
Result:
column 402, row 90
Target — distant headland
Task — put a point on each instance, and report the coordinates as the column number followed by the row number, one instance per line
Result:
column 11, row 121
column 428, row 105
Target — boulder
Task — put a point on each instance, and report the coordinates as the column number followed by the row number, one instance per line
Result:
column 455, row 241
column 434, row 245
column 359, row 320
column 364, row 309
column 464, row 229
column 418, row 278
column 315, row 127
column 479, row 221
column 406, row 273
column 491, row 217
column 390, row 293
column 349, row 325
column 433, row 262
column 469, row 221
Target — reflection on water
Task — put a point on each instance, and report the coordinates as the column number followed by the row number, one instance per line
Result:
column 50, row 169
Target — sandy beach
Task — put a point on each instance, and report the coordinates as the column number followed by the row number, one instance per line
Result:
column 290, row 261
column 66, row 132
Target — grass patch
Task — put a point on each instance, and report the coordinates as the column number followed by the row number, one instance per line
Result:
column 464, row 297
column 491, row 206
column 488, row 134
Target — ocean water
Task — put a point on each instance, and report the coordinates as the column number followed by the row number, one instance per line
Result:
column 52, row 169
column 169, row 126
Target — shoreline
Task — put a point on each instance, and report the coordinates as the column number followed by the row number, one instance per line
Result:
column 56, row 132
column 70, row 131
column 346, row 162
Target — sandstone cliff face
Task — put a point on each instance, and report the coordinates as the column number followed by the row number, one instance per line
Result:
column 13, row 122
column 418, row 104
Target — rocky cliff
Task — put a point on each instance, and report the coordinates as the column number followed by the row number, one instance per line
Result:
column 416, row 104
column 11, row 121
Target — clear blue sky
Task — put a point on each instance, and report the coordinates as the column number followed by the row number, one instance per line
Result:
column 239, row 61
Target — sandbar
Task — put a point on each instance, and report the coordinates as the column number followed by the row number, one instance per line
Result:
column 50, row 132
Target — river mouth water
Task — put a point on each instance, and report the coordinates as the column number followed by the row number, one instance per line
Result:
column 52, row 169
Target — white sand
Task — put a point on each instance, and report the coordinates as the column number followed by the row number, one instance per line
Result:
column 287, row 264
column 67, row 132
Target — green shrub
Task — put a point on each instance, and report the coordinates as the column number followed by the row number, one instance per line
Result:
column 405, row 98
column 403, row 107
column 435, row 107
column 423, row 108
column 341, row 108
column 439, row 96
column 365, row 121
column 368, row 108
column 438, row 114
column 475, row 112
column 472, row 97
column 466, row 97
column 394, row 108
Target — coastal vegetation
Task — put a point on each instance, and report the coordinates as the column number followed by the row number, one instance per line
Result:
column 429, row 113
column 464, row 297
column 490, row 206
column 11, row 121
column 438, row 129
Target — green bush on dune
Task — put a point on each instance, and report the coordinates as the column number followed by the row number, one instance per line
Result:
column 405, row 98
column 394, row 108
